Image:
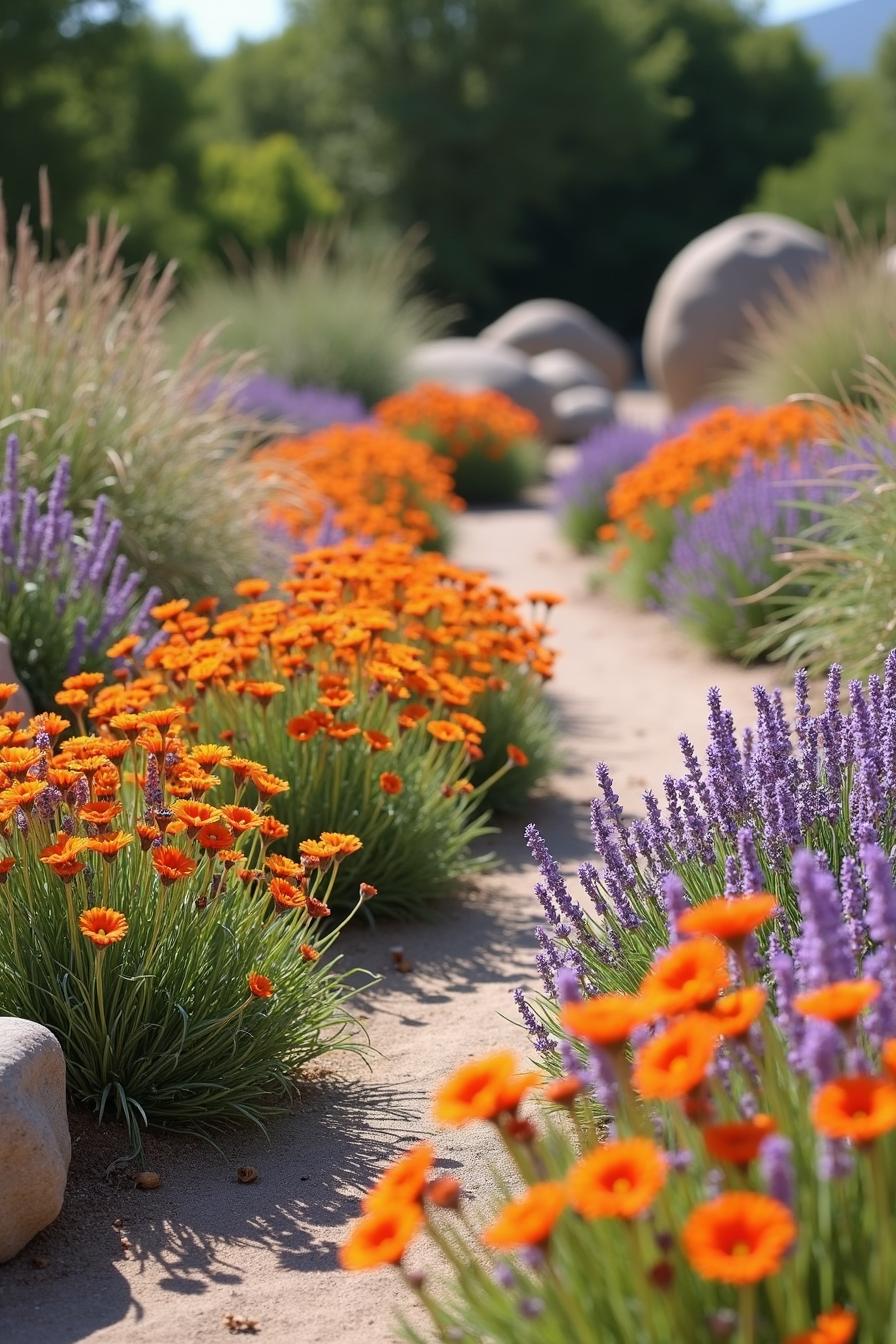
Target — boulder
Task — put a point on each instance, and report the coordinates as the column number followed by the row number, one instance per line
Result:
column 8, row 673
column 560, row 369
column 709, row 294
column 35, row 1147
column 541, row 325
column 579, row 410
column 469, row 364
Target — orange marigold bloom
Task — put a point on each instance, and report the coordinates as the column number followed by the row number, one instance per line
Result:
column 110, row 846
column 103, row 926
column 264, row 691
column 391, row 783
column 18, row 760
column 733, row 1014
column 690, row 975
column 72, row 699
column 281, row 866
column 443, row 731
column 122, row 647
column 240, row 819
column 195, row 814
column 166, row 611
column 740, row 1141
column 259, row 985
column 172, row 864
column 738, row 1238
column 342, row 844
column 52, row 724
column 404, row 1181
column 841, row 1001
column 605, row 1019
column 24, row 794
column 381, row 1237
column 272, row 829
column 7, row 691
column 675, row 1062
column 545, row 598
column 730, row 918
column 214, row 836
column 529, row 1220
column 859, row 1108
column 99, row 814
column 269, row 785
column 837, row 1326
column 479, row 1091
column 617, row 1180
column 287, row 896
column 251, row 587
column 516, row 755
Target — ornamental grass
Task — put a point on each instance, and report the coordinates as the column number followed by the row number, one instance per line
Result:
column 492, row 444
column 86, row 374
column 718, row 1162
column 64, row 596
column 648, row 505
column 365, row 480
column 363, row 685
column 182, row 964
column 732, row 821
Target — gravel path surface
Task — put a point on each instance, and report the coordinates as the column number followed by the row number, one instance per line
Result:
column 202, row 1245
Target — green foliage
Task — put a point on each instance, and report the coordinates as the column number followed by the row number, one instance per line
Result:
column 520, row 715
column 86, row 369
column 819, row 339
column 344, row 313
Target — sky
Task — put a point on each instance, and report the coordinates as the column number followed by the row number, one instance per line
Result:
column 216, row 24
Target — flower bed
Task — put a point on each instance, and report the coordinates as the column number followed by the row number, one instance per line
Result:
column 366, row 685
column 365, row 480
column 706, row 1209
column 149, row 924
column 491, row 442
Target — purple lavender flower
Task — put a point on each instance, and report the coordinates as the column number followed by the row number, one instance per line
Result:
column 303, row 408
column 776, row 1165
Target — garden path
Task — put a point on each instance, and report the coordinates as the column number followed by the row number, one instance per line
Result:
column 202, row 1245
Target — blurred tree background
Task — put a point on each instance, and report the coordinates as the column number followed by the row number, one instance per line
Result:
column 566, row 148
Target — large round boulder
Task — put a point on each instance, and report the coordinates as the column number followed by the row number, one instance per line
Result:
column 540, row 325
column 468, row 364
column 710, row 293
column 579, row 410
column 35, row 1147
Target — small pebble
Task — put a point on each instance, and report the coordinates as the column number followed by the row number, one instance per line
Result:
column 246, row 1175
column 148, row 1180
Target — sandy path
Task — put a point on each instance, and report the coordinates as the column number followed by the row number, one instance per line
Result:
column 203, row 1245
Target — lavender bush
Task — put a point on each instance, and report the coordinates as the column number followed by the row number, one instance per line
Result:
column 64, row 597
column 303, row 409
column 732, row 823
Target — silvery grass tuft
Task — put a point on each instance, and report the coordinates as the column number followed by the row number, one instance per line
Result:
column 86, row 373
column 344, row 313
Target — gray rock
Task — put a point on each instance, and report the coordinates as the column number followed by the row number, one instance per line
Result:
column 579, row 410
column 8, row 673
column 469, row 364
column 35, row 1147
column 560, row 369
column 541, row 325
column 703, row 306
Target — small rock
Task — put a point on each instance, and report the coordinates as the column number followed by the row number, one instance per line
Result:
column 400, row 961
column 247, row 1175
column 553, row 324
column 148, row 1180
column 240, row 1325
column 579, row 410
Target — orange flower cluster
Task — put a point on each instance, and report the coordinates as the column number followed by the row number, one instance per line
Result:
column 367, row 480
column 458, row 423
column 687, row 469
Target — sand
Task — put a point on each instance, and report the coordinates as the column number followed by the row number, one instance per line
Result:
column 203, row 1245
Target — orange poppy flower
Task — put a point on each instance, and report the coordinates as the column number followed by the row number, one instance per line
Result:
column 675, row 1062
column 259, row 985
column 859, row 1108
column 479, row 1091
column 404, row 1181
column 302, row 728
column 516, row 755
column 733, row 1014
column 110, row 846
column 381, row 1237
column 529, row 1220
column 287, row 896
column 605, row 1019
column 617, row 1180
column 841, row 1001
column 390, row 783
column 214, row 836
column 308, row 953
column 740, row 1141
column 688, row 976
column 443, row 731
column 103, row 926
column 837, row 1326
column 172, row 864
column 738, row 1238
column 729, row 918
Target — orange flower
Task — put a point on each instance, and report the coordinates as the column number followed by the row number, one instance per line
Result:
column 675, row 1062
column 477, row 1091
column 403, row 1182
column 733, row 1014
column 122, row 647
column 269, row 785
column 240, row 819
column 302, row 728
column 377, row 741
column 740, row 1141
column 738, row 1238
column 529, row 1220
column 99, row 814
column 547, row 599
column 563, row 1091
column 49, row 723
column 72, row 699
column 381, row 1237
column 390, row 783
column 859, row 1108
column 730, row 918
column 516, row 755
column 251, row 587
column 281, row 866
column 342, row 844
column 7, row 691
column 195, row 814
column 617, row 1180
column 606, row 1019
column 110, row 846
column 259, row 985
column 103, row 926
column 444, row 731
column 172, row 864
column 62, row 856
column 214, row 836
column 837, row 1326
column 308, row 953
column 147, row 833
column 264, row 691
column 690, row 975
column 272, row 829
column 317, row 909
column 888, row 1056
column 841, row 1001
column 166, row 611
column 287, row 896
